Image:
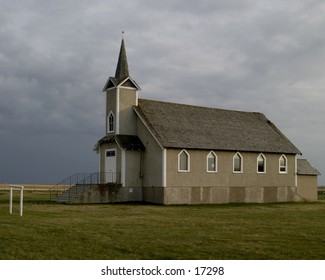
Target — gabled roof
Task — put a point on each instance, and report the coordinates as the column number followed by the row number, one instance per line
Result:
column 305, row 168
column 192, row 127
column 113, row 82
column 127, row 142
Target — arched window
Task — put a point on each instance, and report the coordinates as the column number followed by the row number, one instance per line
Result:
column 283, row 164
column 238, row 163
column 183, row 161
column 110, row 122
column 211, row 162
column 261, row 164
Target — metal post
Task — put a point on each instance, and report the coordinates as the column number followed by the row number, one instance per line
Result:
column 10, row 201
column 21, row 200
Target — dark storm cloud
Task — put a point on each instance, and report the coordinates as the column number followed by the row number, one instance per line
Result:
column 55, row 57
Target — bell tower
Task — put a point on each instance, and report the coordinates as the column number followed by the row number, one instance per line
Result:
column 121, row 95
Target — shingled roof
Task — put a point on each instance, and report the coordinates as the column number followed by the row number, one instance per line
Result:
column 193, row 127
column 305, row 168
column 127, row 142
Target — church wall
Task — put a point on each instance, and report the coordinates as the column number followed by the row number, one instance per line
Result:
column 151, row 166
column 127, row 98
column 152, row 158
column 127, row 115
column 199, row 187
column 132, row 168
column 225, row 176
column 110, row 104
column 307, row 187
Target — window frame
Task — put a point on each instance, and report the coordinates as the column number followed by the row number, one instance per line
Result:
column 110, row 124
column 188, row 157
column 212, row 153
column 264, row 163
column 110, row 153
column 285, row 165
column 241, row 163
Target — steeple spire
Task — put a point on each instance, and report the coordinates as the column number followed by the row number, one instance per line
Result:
column 122, row 69
column 122, row 76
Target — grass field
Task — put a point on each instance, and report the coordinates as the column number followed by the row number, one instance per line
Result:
column 135, row 231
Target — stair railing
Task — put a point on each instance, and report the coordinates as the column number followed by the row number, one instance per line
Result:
column 81, row 180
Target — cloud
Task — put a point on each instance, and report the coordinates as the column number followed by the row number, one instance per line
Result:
column 245, row 55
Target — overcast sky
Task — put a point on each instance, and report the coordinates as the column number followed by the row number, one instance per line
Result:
column 55, row 57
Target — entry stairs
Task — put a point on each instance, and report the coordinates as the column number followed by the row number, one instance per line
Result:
column 73, row 187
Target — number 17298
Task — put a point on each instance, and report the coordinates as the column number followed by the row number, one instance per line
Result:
column 209, row 270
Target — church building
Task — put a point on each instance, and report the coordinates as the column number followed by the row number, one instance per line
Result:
column 168, row 153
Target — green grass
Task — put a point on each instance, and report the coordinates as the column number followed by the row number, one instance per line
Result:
column 321, row 196
column 135, row 231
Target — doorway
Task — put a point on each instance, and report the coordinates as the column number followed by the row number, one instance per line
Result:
column 110, row 166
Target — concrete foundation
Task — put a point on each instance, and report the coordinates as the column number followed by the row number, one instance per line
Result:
column 113, row 193
column 219, row 195
column 110, row 193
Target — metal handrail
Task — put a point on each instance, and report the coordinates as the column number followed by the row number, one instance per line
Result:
column 80, row 180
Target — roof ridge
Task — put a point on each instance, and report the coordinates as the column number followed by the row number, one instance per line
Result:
column 198, row 106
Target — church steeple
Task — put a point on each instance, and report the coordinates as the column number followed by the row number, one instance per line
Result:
column 121, row 96
column 122, row 75
column 122, row 69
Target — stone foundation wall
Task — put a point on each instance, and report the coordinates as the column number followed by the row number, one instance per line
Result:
column 217, row 195
column 104, row 193
column 110, row 193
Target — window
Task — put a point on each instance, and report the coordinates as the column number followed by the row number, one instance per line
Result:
column 110, row 122
column 283, row 164
column 183, row 161
column 261, row 164
column 238, row 163
column 211, row 162
column 110, row 153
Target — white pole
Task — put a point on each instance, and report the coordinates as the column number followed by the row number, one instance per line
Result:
column 21, row 200
column 10, row 201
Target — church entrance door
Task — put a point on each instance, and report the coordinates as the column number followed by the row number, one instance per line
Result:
column 110, row 166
